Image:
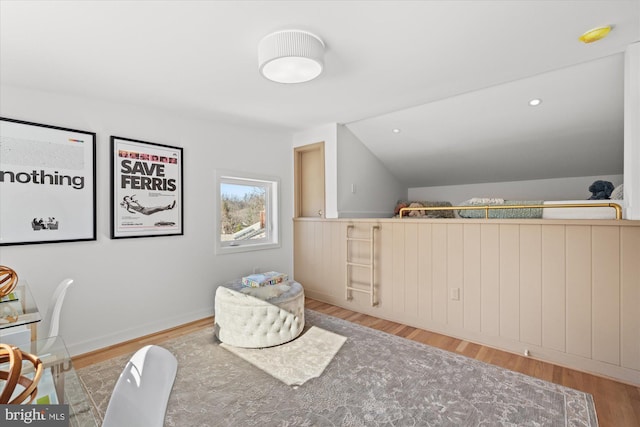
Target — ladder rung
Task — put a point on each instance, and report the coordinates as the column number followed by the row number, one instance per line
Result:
column 365, row 291
column 353, row 239
column 357, row 264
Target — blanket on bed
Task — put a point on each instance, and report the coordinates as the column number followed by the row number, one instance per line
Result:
column 501, row 213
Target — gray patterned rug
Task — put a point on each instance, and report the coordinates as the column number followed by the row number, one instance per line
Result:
column 376, row 379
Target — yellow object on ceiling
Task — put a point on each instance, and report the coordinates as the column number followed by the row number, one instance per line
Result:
column 595, row 34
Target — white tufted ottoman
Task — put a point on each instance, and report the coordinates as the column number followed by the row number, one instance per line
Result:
column 263, row 320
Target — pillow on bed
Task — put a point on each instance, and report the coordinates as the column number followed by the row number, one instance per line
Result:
column 425, row 214
column 484, row 201
column 617, row 193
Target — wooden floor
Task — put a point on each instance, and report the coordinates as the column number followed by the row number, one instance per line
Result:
column 617, row 404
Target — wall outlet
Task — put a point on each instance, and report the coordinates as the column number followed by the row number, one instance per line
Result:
column 455, row 294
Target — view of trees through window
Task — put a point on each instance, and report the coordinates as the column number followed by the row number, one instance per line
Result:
column 243, row 212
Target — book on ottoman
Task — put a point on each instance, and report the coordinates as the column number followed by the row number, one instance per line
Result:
column 264, row 279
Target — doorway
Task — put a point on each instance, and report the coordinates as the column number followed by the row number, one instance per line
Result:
column 309, row 180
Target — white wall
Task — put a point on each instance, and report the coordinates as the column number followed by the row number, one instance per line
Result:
column 131, row 287
column 347, row 161
column 539, row 189
column 632, row 131
column 366, row 188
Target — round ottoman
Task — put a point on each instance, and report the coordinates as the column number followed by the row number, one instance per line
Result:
column 258, row 317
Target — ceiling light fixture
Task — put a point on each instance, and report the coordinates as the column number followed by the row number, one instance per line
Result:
column 396, row 130
column 595, row 34
column 535, row 102
column 291, row 56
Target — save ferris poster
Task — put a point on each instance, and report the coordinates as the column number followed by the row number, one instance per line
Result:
column 146, row 188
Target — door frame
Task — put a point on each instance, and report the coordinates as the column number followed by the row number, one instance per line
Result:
column 297, row 165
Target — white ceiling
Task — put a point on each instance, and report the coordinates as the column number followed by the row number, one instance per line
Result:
column 468, row 68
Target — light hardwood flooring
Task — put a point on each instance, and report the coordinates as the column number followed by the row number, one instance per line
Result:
column 617, row 404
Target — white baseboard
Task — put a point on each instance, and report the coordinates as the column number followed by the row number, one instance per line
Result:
column 96, row 343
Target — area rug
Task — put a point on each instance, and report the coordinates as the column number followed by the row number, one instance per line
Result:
column 376, row 379
column 297, row 361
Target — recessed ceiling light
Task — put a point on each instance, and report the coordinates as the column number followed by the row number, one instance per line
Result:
column 535, row 102
column 396, row 130
column 595, row 34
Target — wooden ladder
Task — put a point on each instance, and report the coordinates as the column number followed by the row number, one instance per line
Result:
column 371, row 266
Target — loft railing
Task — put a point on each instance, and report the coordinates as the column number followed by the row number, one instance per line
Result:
column 486, row 208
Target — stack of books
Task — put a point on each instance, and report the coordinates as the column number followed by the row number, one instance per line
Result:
column 264, row 279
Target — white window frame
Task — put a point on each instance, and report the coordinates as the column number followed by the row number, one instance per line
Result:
column 272, row 211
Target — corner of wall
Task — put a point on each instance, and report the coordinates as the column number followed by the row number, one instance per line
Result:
column 632, row 132
column 366, row 188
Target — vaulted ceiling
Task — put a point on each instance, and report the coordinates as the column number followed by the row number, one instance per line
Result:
column 454, row 76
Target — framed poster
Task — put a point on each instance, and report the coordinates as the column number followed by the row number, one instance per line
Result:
column 146, row 189
column 47, row 183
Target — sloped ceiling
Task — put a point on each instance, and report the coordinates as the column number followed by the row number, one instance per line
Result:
column 493, row 135
column 454, row 76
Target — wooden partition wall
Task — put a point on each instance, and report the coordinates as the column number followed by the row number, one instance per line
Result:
column 566, row 291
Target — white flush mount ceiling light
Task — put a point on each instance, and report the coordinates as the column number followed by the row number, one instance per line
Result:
column 535, row 102
column 291, row 56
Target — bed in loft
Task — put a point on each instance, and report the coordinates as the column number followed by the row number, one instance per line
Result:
column 517, row 209
column 495, row 208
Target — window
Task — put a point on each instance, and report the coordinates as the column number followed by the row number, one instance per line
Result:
column 247, row 212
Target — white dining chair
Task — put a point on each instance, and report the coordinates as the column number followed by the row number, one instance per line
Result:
column 50, row 324
column 142, row 391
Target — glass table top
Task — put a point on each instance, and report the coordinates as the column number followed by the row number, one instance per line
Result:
column 59, row 384
column 18, row 307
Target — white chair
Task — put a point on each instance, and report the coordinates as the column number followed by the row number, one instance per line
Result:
column 50, row 324
column 142, row 391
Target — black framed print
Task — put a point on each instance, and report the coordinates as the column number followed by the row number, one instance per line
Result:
column 146, row 189
column 47, row 183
